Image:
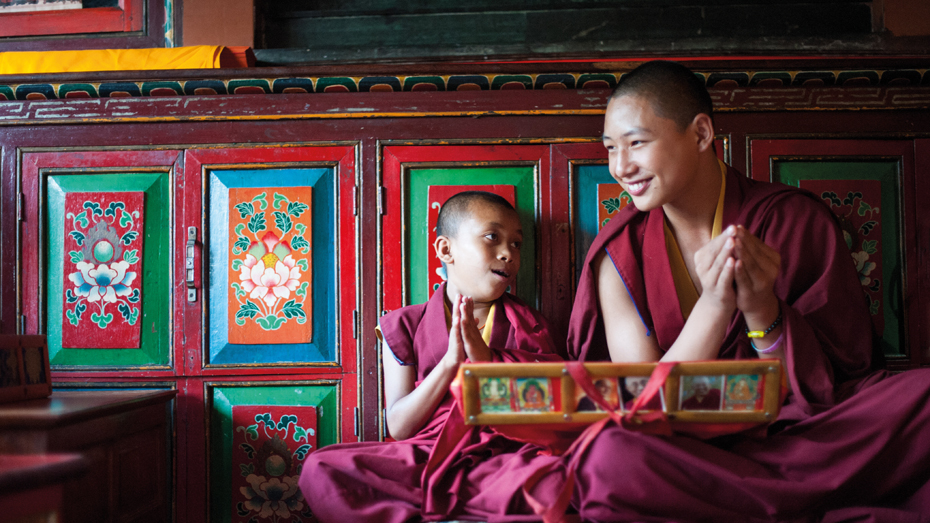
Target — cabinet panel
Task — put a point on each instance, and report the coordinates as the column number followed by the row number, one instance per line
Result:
column 869, row 187
column 260, row 435
column 95, row 243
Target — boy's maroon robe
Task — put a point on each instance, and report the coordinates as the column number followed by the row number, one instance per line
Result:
column 847, row 440
column 482, row 476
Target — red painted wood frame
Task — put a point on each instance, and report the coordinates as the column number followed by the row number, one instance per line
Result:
column 916, row 283
column 33, row 166
column 129, row 16
column 343, row 158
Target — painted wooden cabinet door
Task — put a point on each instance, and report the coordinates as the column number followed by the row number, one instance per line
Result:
column 276, row 243
column 870, row 186
column 96, row 246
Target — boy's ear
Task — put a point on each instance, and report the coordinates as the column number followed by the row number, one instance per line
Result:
column 704, row 131
column 443, row 247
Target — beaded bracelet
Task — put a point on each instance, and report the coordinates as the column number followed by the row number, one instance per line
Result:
column 761, row 334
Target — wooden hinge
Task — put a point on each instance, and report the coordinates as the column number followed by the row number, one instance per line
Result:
column 20, row 206
column 355, row 324
column 381, row 200
column 357, row 425
column 355, row 200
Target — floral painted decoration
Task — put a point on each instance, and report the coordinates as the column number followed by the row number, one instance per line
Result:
column 103, row 288
column 270, row 268
column 270, row 456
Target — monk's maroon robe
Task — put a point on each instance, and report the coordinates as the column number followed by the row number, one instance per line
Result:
column 482, row 476
column 849, row 443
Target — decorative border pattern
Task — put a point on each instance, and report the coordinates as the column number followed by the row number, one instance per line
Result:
column 458, row 82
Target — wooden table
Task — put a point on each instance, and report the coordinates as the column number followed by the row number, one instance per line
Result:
column 124, row 435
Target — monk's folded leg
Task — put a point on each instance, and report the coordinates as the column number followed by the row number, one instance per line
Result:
column 365, row 482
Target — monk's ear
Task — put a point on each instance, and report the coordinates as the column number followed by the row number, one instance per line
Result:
column 703, row 128
column 443, row 247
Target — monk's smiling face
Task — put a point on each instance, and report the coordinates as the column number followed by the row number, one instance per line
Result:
column 652, row 157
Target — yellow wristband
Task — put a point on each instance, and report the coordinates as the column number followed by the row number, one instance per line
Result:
column 761, row 334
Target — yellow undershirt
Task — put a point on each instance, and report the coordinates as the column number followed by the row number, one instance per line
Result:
column 684, row 285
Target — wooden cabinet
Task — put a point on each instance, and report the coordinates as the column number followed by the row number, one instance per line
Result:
column 124, row 437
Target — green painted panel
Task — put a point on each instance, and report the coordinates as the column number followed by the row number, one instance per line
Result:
column 222, row 435
column 871, row 224
column 155, row 344
column 416, row 219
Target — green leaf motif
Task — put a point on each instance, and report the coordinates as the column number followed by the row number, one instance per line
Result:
column 239, row 229
column 299, row 243
column 125, row 219
column 611, row 204
column 295, row 209
column 240, row 292
column 292, row 309
column 285, row 421
column 247, row 469
column 252, row 431
column 864, row 208
column 873, row 307
column 246, row 310
column 71, row 296
column 603, row 223
column 301, row 433
column 262, row 204
column 73, row 318
column 245, row 209
column 113, row 207
column 272, row 322
column 131, row 256
column 300, row 228
column 101, row 320
column 302, row 451
column 135, row 296
column 241, row 245
column 129, row 237
column 264, row 418
column 302, row 290
column 76, row 256
column 248, row 449
column 304, row 266
column 94, row 208
column 870, row 246
column 279, row 200
column 282, row 221
column 78, row 237
column 257, row 223
column 236, row 264
column 81, row 220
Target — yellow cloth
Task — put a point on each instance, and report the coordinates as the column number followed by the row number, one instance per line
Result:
column 485, row 329
column 684, row 285
column 34, row 62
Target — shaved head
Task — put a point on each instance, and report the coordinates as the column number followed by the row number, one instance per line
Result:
column 672, row 89
column 458, row 208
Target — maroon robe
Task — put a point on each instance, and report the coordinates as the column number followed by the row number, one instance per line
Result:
column 446, row 470
column 847, row 441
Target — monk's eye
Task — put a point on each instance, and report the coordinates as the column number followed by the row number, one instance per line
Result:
column 517, row 245
column 491, row 236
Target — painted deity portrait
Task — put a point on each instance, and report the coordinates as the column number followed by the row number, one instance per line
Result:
column 631, row 389
column 533, row 395
column 495, row 394
column 743, row 392
column 700, row 393
column 607, row 387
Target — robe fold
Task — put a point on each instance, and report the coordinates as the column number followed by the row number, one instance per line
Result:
column 848, row 438
column 447, row 470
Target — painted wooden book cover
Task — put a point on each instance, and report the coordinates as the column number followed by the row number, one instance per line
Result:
column 270, row 444
column 438, row 194
column 103, row 270
column 270, row 271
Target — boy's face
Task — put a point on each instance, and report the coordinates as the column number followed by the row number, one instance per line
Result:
column 483, row 257
column 650, row 156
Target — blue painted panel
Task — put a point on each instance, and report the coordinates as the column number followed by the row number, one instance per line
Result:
column 587, row 178
column 323, row 346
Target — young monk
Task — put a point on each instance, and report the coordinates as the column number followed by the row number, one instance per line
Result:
column 438, row 468
column 702, row 257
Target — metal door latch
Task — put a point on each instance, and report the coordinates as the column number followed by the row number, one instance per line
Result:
column 191, row 265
